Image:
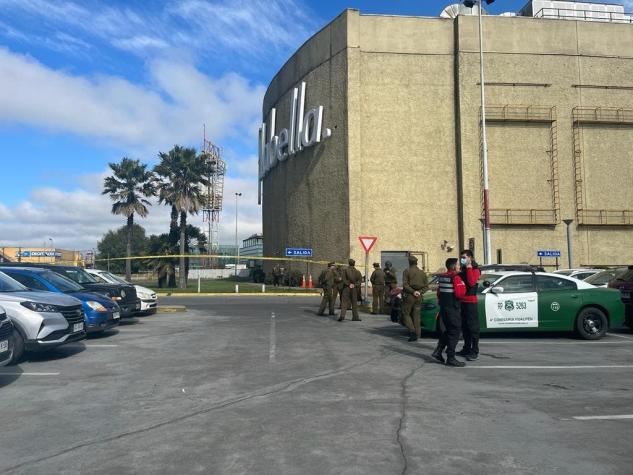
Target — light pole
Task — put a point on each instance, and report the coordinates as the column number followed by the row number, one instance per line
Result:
column 569, row 248
column 487, row 244
column 237, row 259
column 52, row 248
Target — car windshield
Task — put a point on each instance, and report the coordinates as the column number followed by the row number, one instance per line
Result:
column 79, row 275
column 7, row 284
column 564, row 272
column 486, row 280
column 626, row 276
column 116, row 278
column 64, row 284
column 603, row 278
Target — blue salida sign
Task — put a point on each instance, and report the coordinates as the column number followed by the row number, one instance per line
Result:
column 298, row 252
column 548, row 253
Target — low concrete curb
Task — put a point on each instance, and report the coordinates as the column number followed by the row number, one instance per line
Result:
column 244, row 294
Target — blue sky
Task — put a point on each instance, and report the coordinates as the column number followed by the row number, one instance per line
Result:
column 86, row 82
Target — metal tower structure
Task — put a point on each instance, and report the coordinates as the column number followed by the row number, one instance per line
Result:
column 216, row 169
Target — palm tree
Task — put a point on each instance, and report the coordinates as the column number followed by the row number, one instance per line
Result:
column 129, row 186
column 182, row 172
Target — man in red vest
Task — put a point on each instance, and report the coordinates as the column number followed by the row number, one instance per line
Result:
column 470, row 274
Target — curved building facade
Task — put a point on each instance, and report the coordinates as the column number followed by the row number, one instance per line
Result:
column 373, row 128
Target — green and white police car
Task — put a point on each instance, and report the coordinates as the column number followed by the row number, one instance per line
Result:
column 528, row 301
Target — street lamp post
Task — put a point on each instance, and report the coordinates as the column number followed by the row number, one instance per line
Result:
column 52, row 248
column 487, row 244
column 237, row 259
column 569, row 248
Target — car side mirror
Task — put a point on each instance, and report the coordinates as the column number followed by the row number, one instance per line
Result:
column 487, row 283
column 496, row 290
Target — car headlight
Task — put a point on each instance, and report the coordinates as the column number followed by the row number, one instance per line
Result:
column 41, row 307
column 96, row 306
column 145, row 296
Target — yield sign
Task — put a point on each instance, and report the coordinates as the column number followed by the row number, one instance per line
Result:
column 367, row 242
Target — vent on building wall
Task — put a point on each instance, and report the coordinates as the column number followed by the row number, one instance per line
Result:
column 452, row 11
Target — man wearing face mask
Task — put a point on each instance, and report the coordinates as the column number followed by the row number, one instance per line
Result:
column 470, row 274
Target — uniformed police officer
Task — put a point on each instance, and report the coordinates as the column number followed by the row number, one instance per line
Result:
column 450, row 292
column 351, row 285
column 414, row 283
column 326, row 282
column 391, row 282
column 337, row 290
column 377, row 289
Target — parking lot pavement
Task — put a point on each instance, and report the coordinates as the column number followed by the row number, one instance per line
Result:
column 264, row 385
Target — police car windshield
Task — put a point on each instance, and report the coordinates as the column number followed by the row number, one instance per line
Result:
column 7, row 284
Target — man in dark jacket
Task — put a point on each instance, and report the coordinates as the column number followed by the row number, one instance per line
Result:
column 470, row 274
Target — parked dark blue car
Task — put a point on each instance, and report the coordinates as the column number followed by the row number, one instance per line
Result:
column 101, row 312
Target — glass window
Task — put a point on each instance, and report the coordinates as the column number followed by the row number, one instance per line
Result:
column 62, row 283
column 99, row 278
column 603, row 278
column 27, row 281
column 517, row 283
column 7, row 284
column 116, row 278
column 548, row 283
column 78, row 275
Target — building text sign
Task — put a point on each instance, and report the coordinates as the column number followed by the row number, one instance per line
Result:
column 548, row 253
column 298, row 252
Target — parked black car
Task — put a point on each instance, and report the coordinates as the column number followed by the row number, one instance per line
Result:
column 123, row 295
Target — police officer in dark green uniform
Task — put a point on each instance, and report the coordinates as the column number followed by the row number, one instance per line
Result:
column 414, row 283
column 351, row 286
column 391, row 282
column 326, row 282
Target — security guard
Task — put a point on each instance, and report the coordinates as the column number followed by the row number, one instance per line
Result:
column 377, row 289
column 450, row 292
column 351, row 285
column 326, row 282
column 414, row 283
column 391, row 282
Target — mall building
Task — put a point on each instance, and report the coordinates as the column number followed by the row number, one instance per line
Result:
column 373, row 127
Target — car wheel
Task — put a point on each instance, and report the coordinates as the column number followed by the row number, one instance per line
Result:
column 592, row 323
column 18, row 347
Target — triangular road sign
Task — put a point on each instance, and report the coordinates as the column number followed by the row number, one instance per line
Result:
column 367, row 242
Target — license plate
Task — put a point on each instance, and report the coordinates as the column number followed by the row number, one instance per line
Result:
column 116, row 315
column 626, row 295
column 77, row 327
column 4, row 346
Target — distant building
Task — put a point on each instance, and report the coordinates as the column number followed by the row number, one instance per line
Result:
column 41, row 255
column 253, row 246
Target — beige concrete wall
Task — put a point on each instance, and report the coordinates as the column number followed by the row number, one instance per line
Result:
column 401, row 95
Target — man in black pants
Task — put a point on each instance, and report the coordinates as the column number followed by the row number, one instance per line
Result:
column 470, row 274
column 449, row 293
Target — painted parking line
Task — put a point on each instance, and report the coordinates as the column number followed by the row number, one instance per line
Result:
column 623, row 366
column 14, row 373
column 620, row 336
column 604, row 418
column 272, row 348
column 89, row 345
column 540, row 342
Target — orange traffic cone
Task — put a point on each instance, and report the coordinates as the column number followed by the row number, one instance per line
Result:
column 310, row 284
column 303, row 281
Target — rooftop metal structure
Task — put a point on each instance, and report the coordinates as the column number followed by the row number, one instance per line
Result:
column 216, row 169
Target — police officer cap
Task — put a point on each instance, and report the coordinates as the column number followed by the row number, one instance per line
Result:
column 376, row 264
column 351, row 262
column 388, row 264
column 413, row 260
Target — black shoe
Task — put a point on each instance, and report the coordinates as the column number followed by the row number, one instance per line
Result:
column 413, row 337
column 331, row 313
column 472, row 357
column 463, row 352
column 356, row 320
column 454, row 362
column 321, row 314
column 340, row 319
column 437, row 354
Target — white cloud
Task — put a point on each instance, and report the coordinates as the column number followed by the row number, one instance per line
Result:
column 78, row 219
column 125, row 114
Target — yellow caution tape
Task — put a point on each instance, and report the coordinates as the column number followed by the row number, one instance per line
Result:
column 217, row 256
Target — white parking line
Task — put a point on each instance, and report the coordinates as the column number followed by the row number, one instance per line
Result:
column 628, row 366
column 272, row 350
column 538, row 342
column 28, row 374
column 620, row 336
column 91, row 345
column 604, row 418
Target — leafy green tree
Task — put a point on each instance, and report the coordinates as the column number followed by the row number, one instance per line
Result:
column 129, row 187
column 182, row 180
column 114, row 244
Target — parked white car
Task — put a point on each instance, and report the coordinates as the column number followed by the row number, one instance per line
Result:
column 149, row 300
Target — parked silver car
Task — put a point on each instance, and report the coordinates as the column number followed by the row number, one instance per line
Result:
column 6, row 338
column 42, row 320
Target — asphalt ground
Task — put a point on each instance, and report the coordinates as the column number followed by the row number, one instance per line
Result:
column 263, row 385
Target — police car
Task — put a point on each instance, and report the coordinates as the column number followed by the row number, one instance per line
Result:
column 539, row 301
